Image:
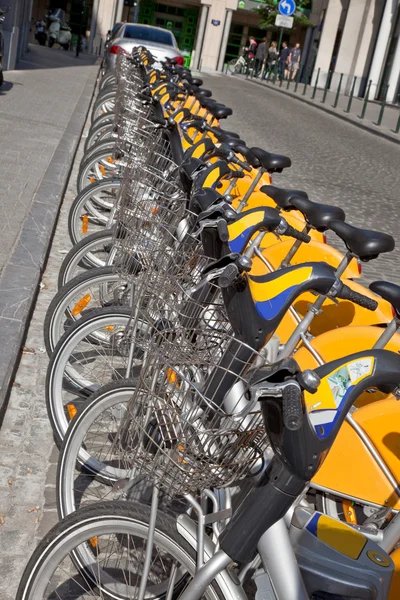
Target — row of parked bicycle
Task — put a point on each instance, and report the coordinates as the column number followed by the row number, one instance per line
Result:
column 222, row 390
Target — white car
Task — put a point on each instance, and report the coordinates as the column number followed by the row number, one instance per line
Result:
column 160, row 42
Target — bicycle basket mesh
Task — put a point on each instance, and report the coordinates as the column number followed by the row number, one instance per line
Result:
column 182, row 435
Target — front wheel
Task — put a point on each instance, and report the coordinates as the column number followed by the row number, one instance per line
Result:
column 99, row 552
column 232, row 65
column 51, row 42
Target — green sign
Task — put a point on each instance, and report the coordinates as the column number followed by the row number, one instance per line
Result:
column 241, row 4
column 169, row 24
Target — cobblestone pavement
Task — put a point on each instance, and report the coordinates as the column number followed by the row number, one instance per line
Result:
column 334, row 162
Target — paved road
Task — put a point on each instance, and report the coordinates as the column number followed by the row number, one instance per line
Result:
column 333, row 161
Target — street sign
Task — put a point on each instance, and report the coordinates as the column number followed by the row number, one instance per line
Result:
column 287, row 7
column 241, row 4
column 281, row 21
column 215, row 22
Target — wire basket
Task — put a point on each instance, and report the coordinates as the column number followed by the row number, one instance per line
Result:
column 150, row 209
column 190, row 424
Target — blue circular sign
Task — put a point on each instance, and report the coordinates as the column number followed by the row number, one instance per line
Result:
column 287, row 7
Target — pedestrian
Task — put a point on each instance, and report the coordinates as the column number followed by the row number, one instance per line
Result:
column 261, row 55
column 81, row 44
column 271, row 59
column 283, row 61
column 251, row 52
column 294, row 61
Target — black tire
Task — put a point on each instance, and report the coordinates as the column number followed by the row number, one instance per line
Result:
column 102, row 119
column 66, row 46
column 95, row 132
column 59, row 298
column 109, row 97
column 51, row 42
column 1, row 76
column 105, row 236
column 99, row 518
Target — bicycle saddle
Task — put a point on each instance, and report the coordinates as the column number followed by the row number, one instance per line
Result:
column 196, row 81
column 281, row 196
column 202, row 92
column 317, row 215
column 364, row 243
column 271, row 162
column 388, row 291
column 218, row 132
column 219, row 111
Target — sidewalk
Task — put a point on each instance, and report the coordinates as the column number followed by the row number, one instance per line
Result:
column 43, row 106
column 390, row 115
column 28, row 455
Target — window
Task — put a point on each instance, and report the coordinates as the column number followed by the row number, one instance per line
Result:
column 148, row 34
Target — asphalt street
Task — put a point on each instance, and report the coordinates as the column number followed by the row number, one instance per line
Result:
column 332, row 160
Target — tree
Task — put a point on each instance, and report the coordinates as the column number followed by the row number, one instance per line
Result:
column 268, row 10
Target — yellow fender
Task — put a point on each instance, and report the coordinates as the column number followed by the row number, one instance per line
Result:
column 314, row 251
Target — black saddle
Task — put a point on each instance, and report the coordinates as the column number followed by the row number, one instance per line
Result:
column 388, row 291
column 218, row 132
column 219, row 111
column 364, row 243
column 271, row 162
column 202, row 92
column 317, row 215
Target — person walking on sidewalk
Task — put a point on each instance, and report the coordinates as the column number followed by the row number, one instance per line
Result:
column 283, row 61
column 271, row 60
column 294, row 61
column 251, row 52
column 261, row 55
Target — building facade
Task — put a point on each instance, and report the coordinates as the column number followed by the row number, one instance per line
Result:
column 359, row 45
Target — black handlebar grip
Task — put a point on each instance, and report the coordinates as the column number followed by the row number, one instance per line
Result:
column 222, row 229
column 292, row 407
column 228, row 276
column 158, row 120
column 236, row 174
column 346, row 293
column 297, row 235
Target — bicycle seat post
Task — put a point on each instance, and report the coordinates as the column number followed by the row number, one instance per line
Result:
column 286, row 261
column 254, row 183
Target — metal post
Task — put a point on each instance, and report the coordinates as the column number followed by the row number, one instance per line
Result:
column 327, row 84
column 334, row 105
column 280, row 41
column 315, row 85
column 379, row 121
column 288, row 82
column 364, row 108
column 136, row 13
column 351, row 95
column 297, row 78
column 397, row 126
column 276, row 67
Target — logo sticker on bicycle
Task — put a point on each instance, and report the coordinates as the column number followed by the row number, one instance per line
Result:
column 333, row 392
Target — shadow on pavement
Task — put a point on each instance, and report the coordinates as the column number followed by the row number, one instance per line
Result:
column 41, row 57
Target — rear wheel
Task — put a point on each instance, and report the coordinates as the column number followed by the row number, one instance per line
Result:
column 99, row 552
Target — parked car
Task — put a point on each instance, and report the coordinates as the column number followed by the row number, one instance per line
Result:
column 160, row 42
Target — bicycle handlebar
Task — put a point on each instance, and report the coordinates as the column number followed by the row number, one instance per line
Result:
column 346, row 293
